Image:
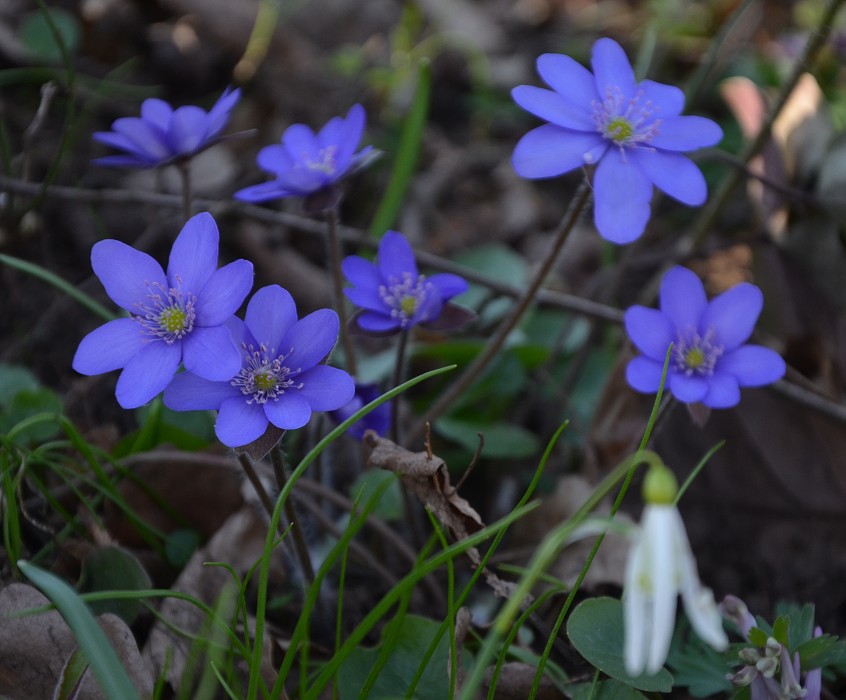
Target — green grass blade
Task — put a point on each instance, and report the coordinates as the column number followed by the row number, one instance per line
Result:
column 105, row 664
column 407, row 154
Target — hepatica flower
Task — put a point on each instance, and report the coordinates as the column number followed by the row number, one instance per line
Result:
column 392, row 294
column 632, row 131
column 378, row 420
column 162, row 135
column 710, row 359
column 279, row 380
column 307, row 164
column 659, row 567
column 175, row 318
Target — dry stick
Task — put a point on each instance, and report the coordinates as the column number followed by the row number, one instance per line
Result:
column 495, row 344
column 338, row 287
column 290, row 511
column 730, row 181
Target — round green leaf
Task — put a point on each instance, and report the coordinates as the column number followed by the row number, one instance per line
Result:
column 37, row 35
column 595, row 628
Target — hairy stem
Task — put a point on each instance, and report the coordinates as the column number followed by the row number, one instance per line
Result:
column 338, row 287
column 300, row 546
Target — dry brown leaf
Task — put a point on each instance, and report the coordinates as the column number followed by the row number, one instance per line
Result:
column 515, row 682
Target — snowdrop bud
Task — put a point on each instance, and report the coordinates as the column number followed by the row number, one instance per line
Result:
column 660, row 486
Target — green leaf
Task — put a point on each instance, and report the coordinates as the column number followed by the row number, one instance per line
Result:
column 105, row 664
column 13, row 380
column 72, row 676
column 595, row 628
column 113, row 568
column 179, row 546
column 415, row 635
column 696, row 665
column 781, row 629
column 390, row 504
column 758, row 637
column 606, row 690
column 26, row 404
column 502, row 440
column 37, row 35
column 821, row 651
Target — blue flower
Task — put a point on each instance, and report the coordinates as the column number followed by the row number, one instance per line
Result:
column 710, row 360
column 175, row 318
column 162, row 134
column 306, row 163
column 378, row 420
column 632, row 131
column 394, row 296
column 279, row 379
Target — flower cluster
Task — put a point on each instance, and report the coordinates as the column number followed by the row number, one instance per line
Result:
column 162, row 135
column 175, row 318
column 392, row 294
column 632, row 131
column 660, row 566
column 306, row 164
column 710, row 359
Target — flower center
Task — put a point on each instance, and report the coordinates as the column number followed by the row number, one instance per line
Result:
column 168, row 314
column 626, row 121
column 325, row 162
column 264, row 376
column 405, row 296
column 694, row 354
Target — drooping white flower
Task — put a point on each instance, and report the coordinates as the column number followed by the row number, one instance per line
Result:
column 660, row 566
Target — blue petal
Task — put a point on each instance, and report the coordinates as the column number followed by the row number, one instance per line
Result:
column 127, row 274
column 289, row 412
column 687, row 389
column 396, row 257
column 239, row 423
column 301, row 143
column 188, row 129
column 263, row 192
column 651, row 331
column 753, row 365
column 732, row 315
column 367, row 298
column 311, row 338
column 361, row 272
column 211, row 353
column 448, row 285
column 622, row 193
column 147, row 373
column 550, row 150
column 683, row 298
column 271, row 313
column 686, row 133
column 376, row 322
column 108, row 347
column 275, row 159
column 570, row 79
column 224, row 292
column 146, row 136
column 345, row 134
column 723, row 391
column 158, row 112
column 611, row 68
column 219, row 113
column 667, row 100
column 326, row 388
column 122, row 162
column 109, row 138
column 673, row 173
column 193, row 258
column 644, row 375
column 188, row 392
column 553, row 108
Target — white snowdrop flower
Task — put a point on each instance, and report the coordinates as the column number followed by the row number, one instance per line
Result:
column 660, row 566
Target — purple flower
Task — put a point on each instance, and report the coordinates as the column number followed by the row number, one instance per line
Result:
column 162, row 134
column 378, row 420
column 175, row 318
column 709, row 361
column 306, row 163
column 631, row 130
column 394, row 296
column 279, row 380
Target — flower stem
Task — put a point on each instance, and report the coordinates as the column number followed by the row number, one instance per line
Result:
column 338, row 287
column 399, row 372
column 185, row 172
column 300, row 546
column 247, row 466
column 580, row 199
